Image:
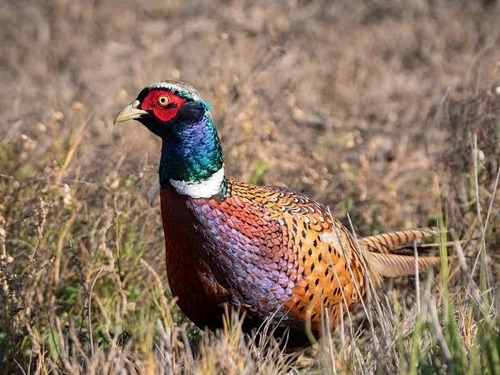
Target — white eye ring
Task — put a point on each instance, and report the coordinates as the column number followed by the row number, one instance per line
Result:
column 163, row 100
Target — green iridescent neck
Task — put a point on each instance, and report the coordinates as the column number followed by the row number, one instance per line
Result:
column 192, row 158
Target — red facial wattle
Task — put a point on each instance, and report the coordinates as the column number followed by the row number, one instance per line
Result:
column 164, row 104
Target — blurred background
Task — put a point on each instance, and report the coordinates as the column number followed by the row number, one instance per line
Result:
column 386, row 110
column 335, row 99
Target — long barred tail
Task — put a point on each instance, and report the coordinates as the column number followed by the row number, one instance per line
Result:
column 393, row 265
column 378, row 248
column 387, row 242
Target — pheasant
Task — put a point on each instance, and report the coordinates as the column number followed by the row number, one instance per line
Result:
column 265, row 250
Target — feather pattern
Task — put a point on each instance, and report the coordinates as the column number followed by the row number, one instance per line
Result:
column 270, row 251
column 386, row 242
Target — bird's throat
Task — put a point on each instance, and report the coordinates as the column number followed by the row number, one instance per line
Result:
column 191, row 160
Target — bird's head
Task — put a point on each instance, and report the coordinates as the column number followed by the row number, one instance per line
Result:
column 191, row 157
column 163, row 105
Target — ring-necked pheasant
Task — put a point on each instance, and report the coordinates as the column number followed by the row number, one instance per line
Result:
column 266, row 250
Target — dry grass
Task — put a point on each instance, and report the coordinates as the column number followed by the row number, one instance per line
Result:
column 392, row 108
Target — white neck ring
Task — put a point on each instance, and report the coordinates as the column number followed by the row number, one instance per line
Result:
column 201, row 189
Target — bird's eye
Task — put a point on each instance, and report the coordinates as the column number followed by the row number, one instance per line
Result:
column 163, row 100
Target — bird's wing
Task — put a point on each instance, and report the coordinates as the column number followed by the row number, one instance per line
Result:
column 279, row 248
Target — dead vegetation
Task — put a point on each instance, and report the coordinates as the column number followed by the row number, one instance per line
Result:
column 389, row 111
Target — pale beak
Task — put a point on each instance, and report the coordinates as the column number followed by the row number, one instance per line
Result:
column 130, row 112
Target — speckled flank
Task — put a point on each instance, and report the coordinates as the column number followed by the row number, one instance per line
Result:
column 324, row 279
column 266, row 247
